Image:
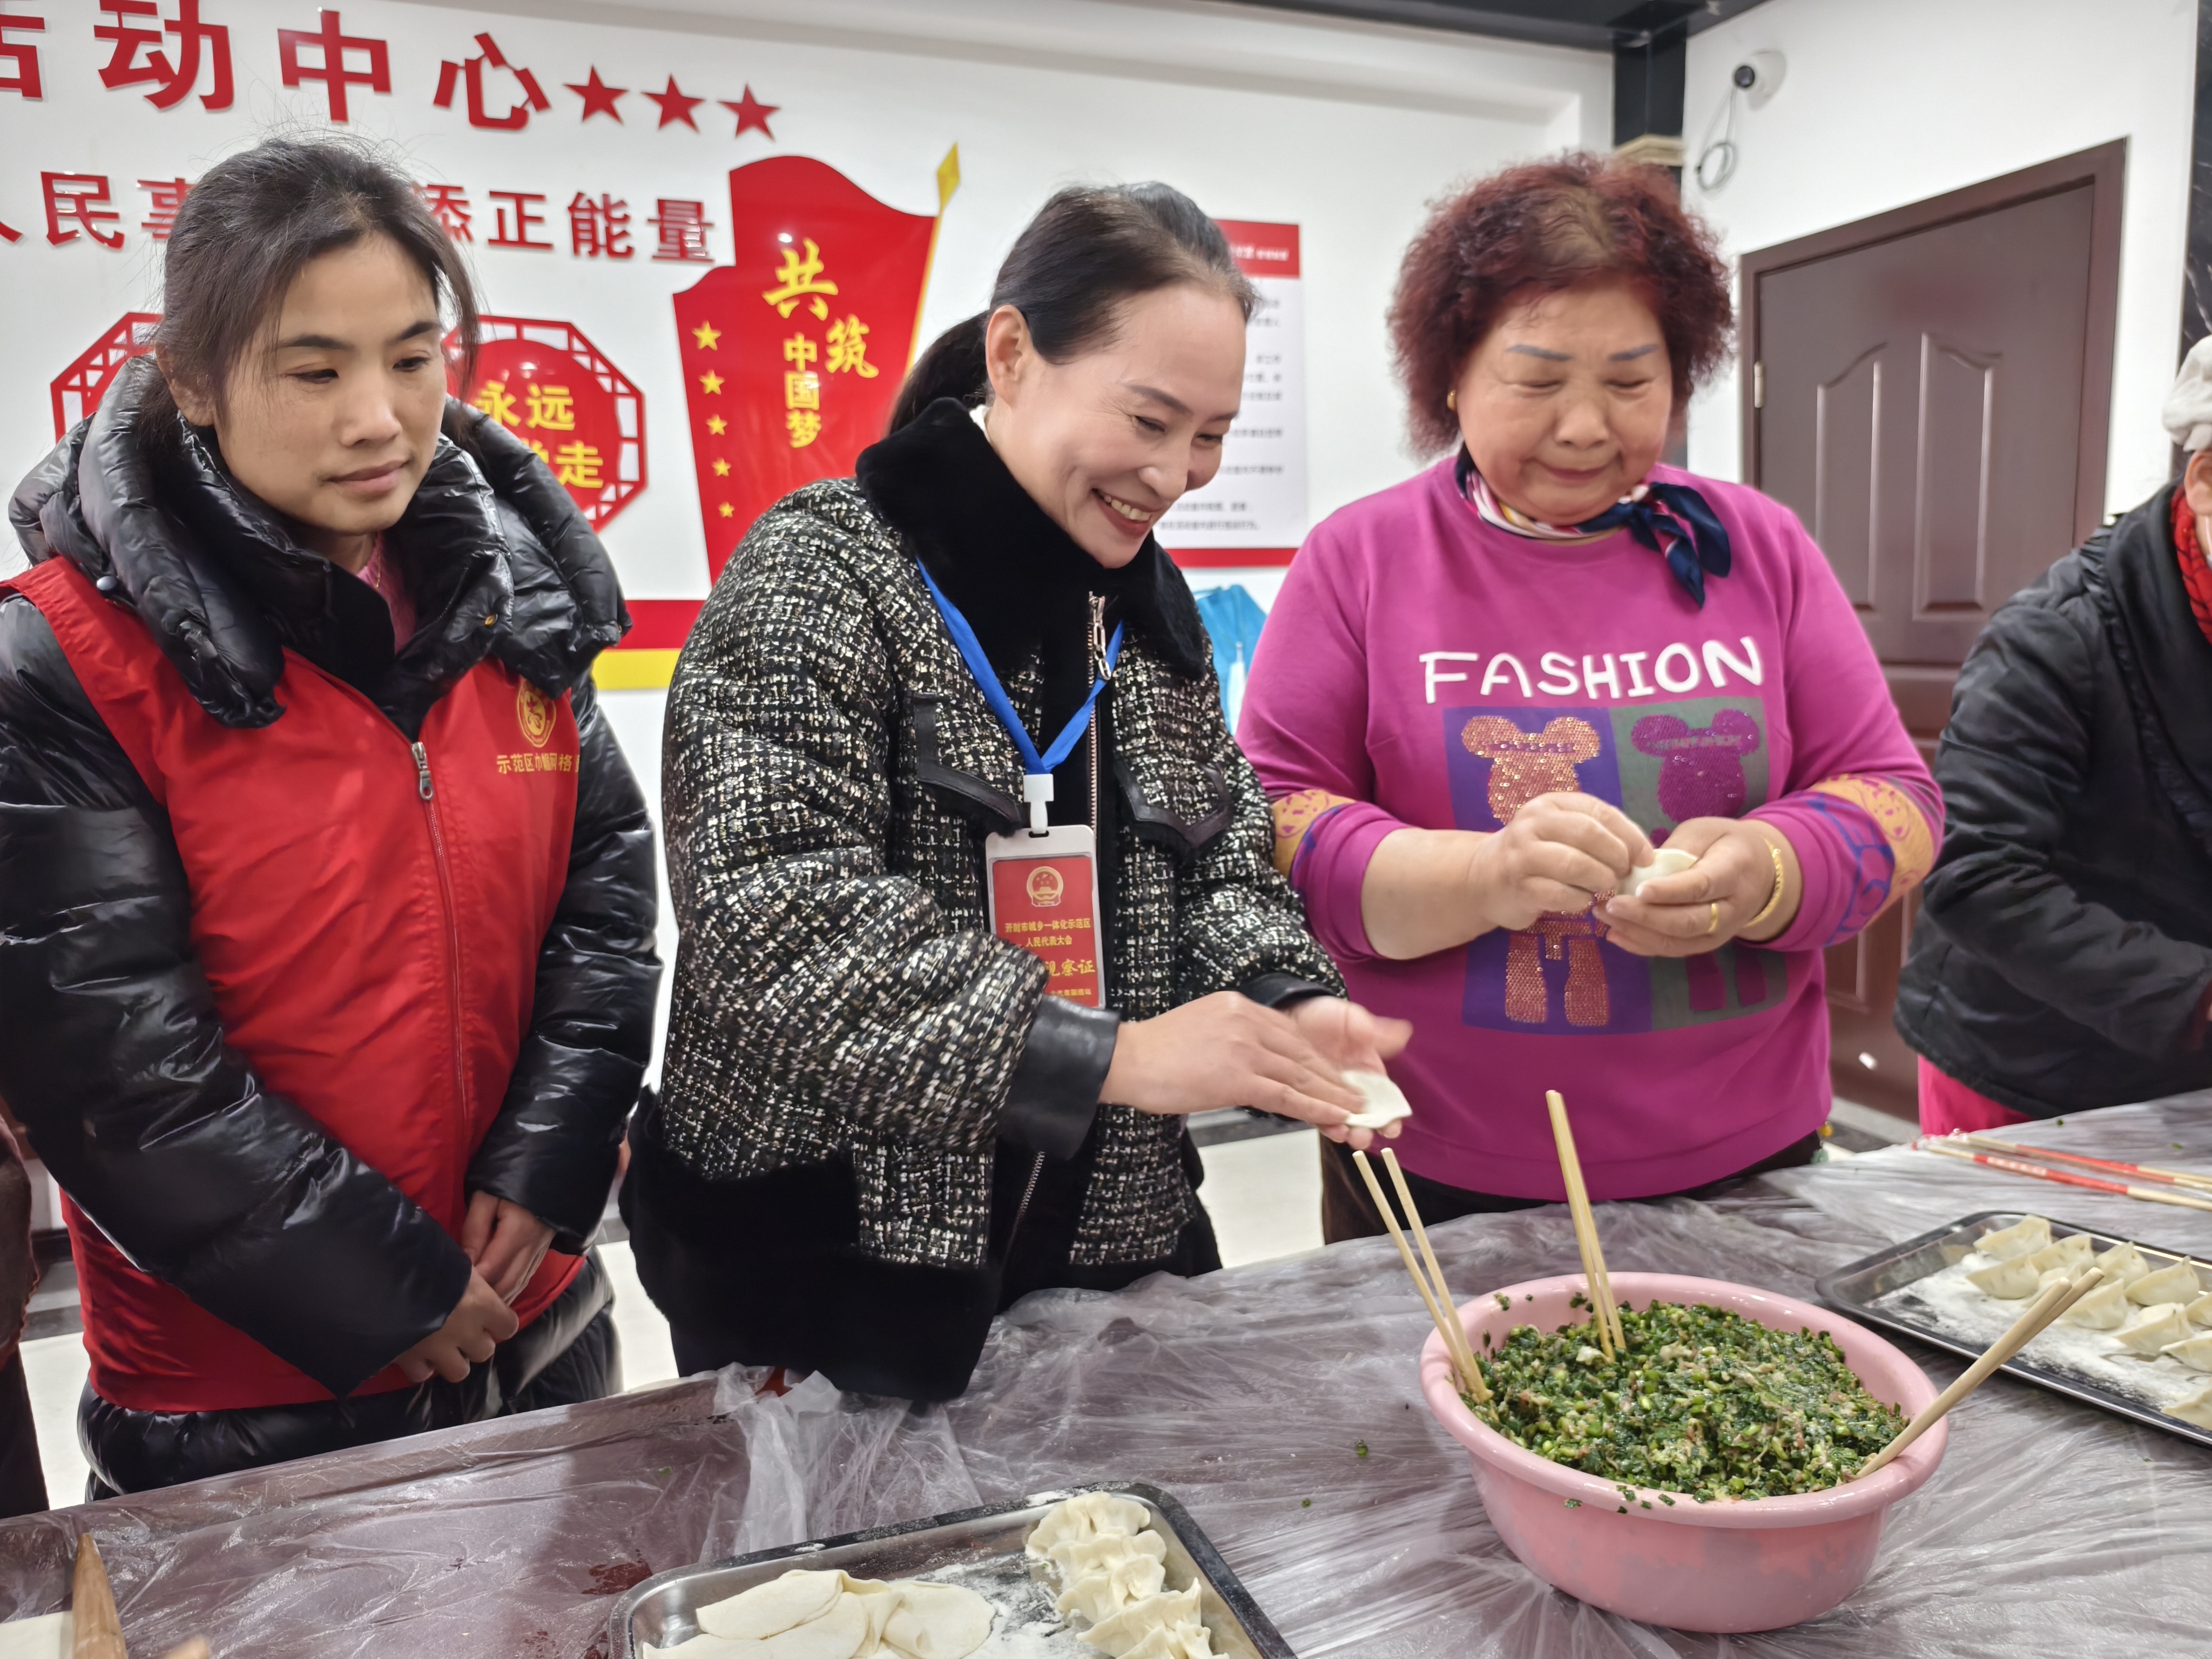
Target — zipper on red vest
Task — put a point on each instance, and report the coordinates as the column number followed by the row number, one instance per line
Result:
column 428, row 792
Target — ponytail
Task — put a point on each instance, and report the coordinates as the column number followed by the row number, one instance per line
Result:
column 1087, row 251
column 953, row 368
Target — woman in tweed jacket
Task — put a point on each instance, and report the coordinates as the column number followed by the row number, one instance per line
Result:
column 877, row 1128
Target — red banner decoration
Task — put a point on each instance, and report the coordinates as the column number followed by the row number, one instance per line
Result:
column 794, row 353
column 78, row 389
column 549, row 385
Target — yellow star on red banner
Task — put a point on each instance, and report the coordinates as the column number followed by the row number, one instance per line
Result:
column 710, row 383
column 729, row 512
column 721, row 468
column 707, row 335
column 717, row 425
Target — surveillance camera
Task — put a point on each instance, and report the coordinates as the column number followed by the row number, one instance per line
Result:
column 1760, row 76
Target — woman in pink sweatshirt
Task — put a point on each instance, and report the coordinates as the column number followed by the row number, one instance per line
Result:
column 1487, row 694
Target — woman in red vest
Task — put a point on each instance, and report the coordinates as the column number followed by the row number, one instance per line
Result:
column 327, row 896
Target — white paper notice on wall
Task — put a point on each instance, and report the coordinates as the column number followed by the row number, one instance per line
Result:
column 1255, row 510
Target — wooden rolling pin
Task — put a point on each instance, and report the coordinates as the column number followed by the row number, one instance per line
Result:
column 97, row 1631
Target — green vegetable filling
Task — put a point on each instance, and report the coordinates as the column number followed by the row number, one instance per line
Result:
column 1702, row 1401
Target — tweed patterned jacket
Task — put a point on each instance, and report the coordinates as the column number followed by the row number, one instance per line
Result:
column 838, row 992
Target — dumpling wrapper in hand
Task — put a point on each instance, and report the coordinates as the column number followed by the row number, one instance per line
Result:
column 938, row 1621
column 2123, row 1265
column 2009, row 1281
column 2158, row 1327
column 2103, row 1308
column 1386, row 1100
column 769, row 1609
column 1117, row 1636
column 2194, row 1407
column 2176, row 1284
column 2073, row 1253
column 2024, row 1237
column 1667, row 862
column 1086, row 1517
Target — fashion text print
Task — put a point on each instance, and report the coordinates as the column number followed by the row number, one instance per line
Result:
column 1675, row 669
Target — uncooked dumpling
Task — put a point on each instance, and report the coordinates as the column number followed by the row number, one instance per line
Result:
column 1173, row 1642
column 707, row 1647
column 1667, row 862
column 1121, row 1633
column 2158, row 1327
column 2102, row 1309
column 769, row 1609
column 2195, row 1351
column 1386, row 1100
column 2200, row 1311
column 936, row 1621
column 2174, row 1284
column 2123, row 1265
column 2024, row 1237
column 2073, row 1253
column 1103, row 1552
column 2008, row 1281
column 840, row 1633
column 1101, row 1593
column 2194, row 1407
column 1086, row 1517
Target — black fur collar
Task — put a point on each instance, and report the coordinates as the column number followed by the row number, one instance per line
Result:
column 999, row 556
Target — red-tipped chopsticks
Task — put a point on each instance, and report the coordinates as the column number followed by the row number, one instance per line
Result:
column 2064, row 1177
column 2146, row 1171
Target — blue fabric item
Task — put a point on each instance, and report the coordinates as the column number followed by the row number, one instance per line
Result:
column 1690, row 554
column 1233, row 620
column 971, row 653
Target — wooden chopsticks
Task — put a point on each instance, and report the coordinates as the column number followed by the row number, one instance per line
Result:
column 2146, row 1171
column 1605, row 1312
column 2064, row 1177
column 2054, row 1302
column 96, row 1630
column 1434, row 1293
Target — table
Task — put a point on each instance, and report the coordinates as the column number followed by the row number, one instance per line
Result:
column 2050, row 1528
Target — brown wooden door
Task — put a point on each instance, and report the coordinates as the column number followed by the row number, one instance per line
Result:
column 1929, row 392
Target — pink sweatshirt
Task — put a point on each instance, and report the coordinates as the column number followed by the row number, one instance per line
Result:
column 1422, row 667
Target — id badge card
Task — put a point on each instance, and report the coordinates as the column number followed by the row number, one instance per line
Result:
column 1044, row 897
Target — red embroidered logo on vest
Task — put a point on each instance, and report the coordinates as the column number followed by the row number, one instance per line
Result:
column 534, row 712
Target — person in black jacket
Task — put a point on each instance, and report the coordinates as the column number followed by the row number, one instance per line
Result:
column 2063, row 957
column 290, row 609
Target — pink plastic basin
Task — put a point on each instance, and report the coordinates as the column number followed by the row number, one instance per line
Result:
column 1748, row 1565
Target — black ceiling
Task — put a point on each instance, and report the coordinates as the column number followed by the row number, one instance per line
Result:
column 1598, row 25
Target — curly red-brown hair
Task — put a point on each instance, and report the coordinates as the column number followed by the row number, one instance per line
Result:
column 1548, row 226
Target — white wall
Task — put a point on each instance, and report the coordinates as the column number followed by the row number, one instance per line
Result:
column 1888, row 101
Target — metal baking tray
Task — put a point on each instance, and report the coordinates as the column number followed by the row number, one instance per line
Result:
column 1859, row 1289
column 979, row 1548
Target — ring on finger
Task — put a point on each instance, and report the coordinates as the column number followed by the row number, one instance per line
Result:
column 1714, row 926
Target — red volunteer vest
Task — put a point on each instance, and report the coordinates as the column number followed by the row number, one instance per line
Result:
column 372, row 953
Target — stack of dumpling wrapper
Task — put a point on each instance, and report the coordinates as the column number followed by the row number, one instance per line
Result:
column 833, row 1615
column 1110, row 1564
column 2149, row 1311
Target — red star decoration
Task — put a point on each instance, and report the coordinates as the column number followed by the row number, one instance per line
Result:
column 598, row 97
column 674, row 106
column 751, row 113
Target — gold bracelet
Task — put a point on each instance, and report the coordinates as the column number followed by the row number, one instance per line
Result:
column 1774, row 898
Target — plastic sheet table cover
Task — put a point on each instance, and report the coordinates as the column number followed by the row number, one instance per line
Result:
column 2050, row 1528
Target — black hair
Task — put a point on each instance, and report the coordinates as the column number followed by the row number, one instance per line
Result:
column 249, row 226
column 1088, row 249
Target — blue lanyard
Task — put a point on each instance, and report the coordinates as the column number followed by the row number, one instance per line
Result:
column 1036, row 769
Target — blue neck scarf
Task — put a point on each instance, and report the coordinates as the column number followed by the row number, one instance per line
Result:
column 1672, row 519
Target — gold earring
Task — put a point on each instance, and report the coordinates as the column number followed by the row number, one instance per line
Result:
column 1451, row 399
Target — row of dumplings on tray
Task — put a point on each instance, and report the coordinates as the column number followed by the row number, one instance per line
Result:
column 2148, row 1310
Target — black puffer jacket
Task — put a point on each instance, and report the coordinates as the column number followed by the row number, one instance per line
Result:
column 2064, row 944
column 111, row 1050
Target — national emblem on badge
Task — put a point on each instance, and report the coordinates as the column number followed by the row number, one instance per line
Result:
column 1045, row 887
